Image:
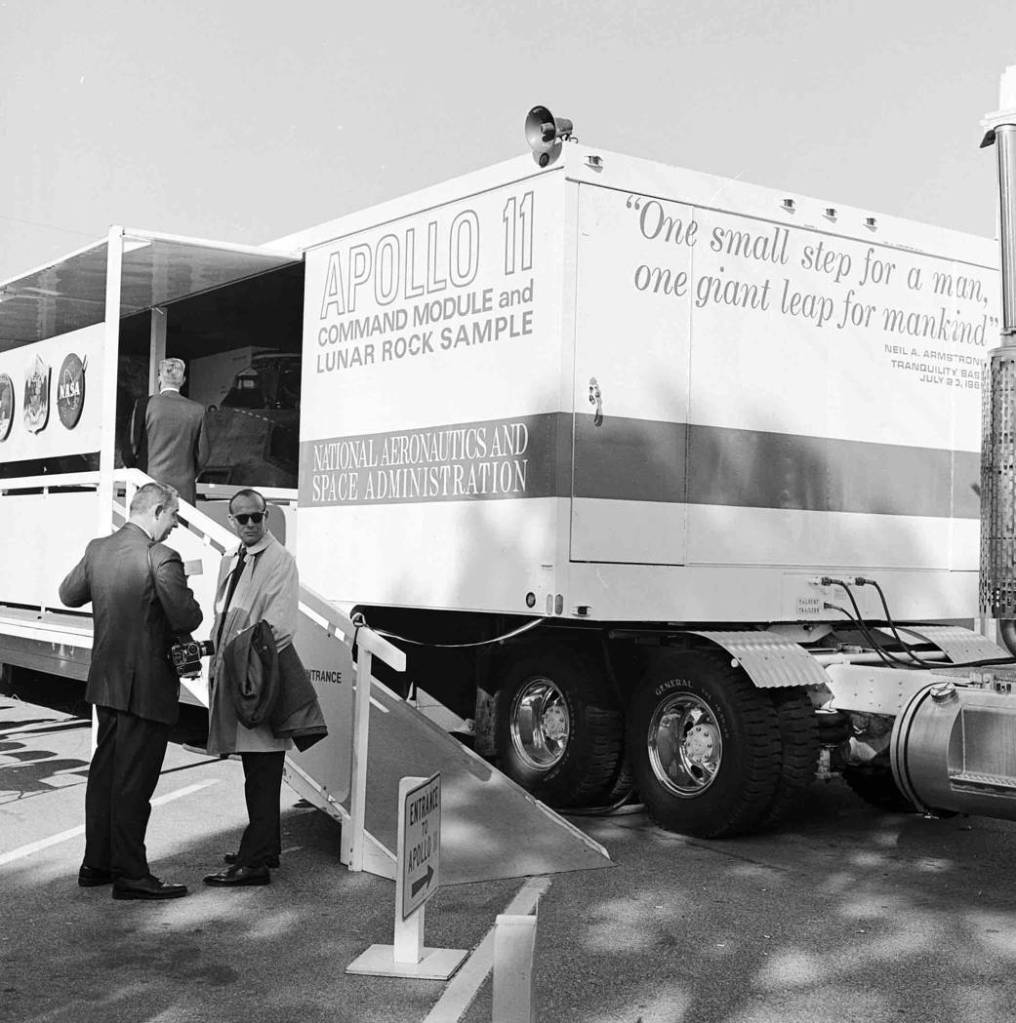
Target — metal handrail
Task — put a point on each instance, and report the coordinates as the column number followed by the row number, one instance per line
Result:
column 90, row 478
column 289, row 495
column 67, row 479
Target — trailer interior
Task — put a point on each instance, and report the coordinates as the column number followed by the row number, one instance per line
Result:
column 232, row 313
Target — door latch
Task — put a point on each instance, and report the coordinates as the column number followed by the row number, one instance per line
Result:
column 596, row 401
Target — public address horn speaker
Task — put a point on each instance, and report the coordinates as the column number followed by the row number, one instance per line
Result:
column 545, row 133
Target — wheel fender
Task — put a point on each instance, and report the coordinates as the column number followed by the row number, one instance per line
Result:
column 769, row 660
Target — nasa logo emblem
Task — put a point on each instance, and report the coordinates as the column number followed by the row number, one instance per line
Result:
column 70, row 391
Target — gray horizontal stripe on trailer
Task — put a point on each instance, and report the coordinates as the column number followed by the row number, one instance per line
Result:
column 630, row 459
column 644, row 460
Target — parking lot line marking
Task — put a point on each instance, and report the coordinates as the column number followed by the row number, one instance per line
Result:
column 58, row 726
column 463, row 987
column 44, row 843
column 185, row 791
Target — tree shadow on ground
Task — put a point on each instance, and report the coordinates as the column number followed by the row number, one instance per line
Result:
column 847, row 914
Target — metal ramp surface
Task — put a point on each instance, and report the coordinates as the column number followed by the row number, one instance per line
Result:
column 490, row 827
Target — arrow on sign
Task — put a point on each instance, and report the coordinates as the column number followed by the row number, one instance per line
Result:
column 422, row 882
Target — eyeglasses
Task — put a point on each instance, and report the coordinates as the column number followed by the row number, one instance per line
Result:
column 254, row 517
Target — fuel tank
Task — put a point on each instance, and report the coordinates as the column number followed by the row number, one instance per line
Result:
column 954, row 748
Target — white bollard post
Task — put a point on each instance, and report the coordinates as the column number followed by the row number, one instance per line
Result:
column 514, row 952
column 358, row 779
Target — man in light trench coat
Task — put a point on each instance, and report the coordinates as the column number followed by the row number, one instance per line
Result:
column 259, row 581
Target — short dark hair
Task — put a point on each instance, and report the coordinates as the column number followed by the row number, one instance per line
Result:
column 151, row 495
column 248, row 492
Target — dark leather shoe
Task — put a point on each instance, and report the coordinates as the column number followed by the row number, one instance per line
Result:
column 92, row 877
column 149, row 887
column 235, row 876
column 231, row 858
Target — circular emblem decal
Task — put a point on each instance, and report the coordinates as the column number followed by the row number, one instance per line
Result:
column 36, row 409
column 6, row 405
column 70, row 391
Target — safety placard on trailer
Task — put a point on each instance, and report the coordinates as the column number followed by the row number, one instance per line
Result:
column 421, row 844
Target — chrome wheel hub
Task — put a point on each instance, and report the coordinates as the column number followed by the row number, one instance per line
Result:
column 540, row 724
column 685, row 745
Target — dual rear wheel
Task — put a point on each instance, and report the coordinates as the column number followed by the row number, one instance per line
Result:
column 558, row 729
column 709, row 753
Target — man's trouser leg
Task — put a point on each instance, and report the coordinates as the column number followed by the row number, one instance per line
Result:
column 262, row 788
column 140, row 751
column 99, row 792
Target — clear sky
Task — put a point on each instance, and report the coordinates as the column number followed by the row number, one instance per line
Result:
column 242, row 120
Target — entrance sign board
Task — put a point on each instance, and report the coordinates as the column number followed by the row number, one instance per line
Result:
column 417, row 877
column 419, row 844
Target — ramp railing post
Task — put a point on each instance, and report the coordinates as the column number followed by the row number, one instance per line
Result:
column 514, row 950
column 358, row 776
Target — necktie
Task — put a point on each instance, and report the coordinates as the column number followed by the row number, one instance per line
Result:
column 234, row 578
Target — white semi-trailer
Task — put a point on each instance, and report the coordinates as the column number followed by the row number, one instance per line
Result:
column 613, row 445
column 665, row 482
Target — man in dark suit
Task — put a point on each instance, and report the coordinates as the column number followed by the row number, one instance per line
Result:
column 168, row 433
column 140, row 602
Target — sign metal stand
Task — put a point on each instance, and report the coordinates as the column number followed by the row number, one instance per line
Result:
column 416, row 879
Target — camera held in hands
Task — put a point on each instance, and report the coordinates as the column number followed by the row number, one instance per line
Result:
column 187, row 654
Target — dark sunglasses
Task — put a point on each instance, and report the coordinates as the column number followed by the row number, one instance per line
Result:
column 254, row 517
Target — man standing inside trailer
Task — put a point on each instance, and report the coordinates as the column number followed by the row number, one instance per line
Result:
column 140, row 602
column 168, row 434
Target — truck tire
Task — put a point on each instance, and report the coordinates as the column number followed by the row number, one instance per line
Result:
column 874, row 783
column 799, row 750
column 557, row 730
column 704, row 745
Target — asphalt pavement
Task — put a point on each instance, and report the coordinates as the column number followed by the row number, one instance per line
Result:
column 845, row 914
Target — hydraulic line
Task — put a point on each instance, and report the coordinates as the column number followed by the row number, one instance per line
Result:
column 885, row 655
column 861, row 581
column 619, row 808
column 882, row 654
